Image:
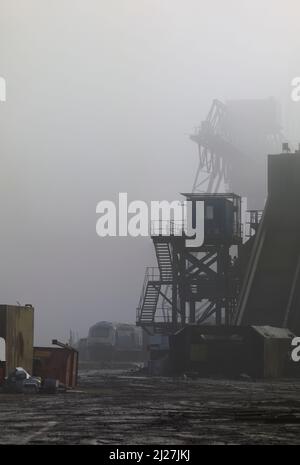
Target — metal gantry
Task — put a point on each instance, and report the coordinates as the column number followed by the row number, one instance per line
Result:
column 200, row 285
column 232, row 144
column 194, row 285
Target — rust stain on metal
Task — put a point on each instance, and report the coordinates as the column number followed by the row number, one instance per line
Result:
column 17, row 329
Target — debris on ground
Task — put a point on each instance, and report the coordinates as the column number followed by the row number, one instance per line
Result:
column 19, row 381
column 119, row 407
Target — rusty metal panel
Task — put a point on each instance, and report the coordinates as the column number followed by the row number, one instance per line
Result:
column 57, row 363
column 17, row 328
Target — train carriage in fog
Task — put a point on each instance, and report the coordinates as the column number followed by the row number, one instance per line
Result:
column 109, row 341
column 101, row 341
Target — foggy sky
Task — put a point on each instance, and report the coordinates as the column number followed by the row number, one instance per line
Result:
column 101, row 97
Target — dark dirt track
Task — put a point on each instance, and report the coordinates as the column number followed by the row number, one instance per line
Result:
column 115, row 407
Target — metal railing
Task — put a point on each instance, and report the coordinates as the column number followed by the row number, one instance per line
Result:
column 252, row 221
column 167, row 228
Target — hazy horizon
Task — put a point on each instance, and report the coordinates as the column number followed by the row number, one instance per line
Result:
column 101, row 99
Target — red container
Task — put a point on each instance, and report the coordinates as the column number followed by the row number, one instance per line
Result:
column 56, row 363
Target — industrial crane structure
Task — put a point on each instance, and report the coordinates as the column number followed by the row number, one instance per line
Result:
column 203, row 285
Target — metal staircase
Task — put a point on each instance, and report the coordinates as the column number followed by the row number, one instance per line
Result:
column 164, row 259
column 149, row 296
column 156, row 279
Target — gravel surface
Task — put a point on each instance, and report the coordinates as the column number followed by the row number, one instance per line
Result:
column 121, row 407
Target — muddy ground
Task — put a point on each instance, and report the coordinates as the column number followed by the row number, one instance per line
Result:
column 121, row 407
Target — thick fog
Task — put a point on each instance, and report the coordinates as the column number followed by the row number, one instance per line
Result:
column 101, row 98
